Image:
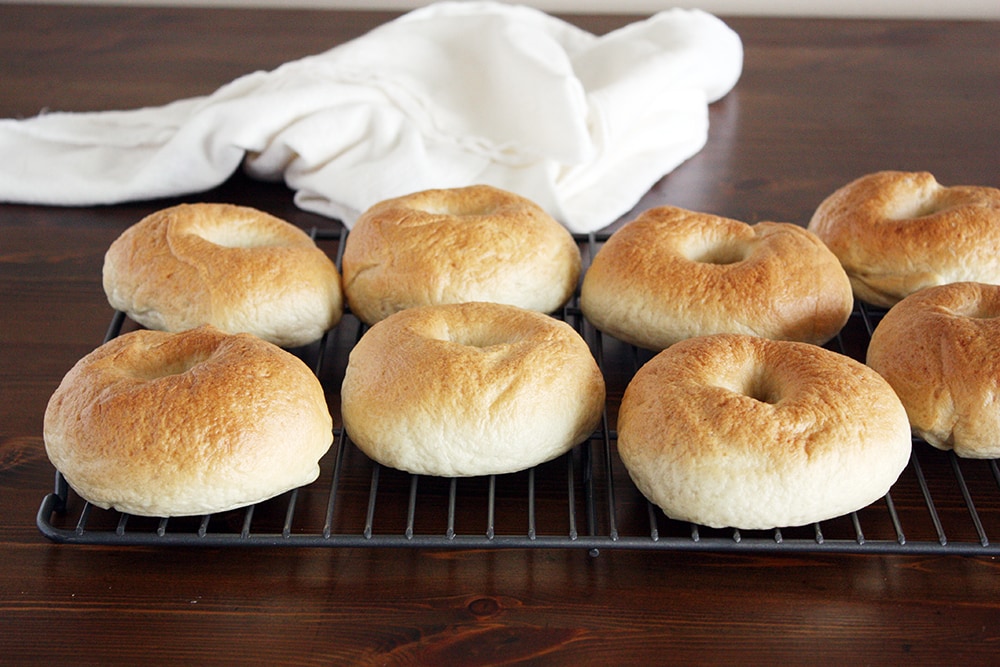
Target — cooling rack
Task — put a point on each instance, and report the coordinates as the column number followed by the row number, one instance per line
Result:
column 582, row 500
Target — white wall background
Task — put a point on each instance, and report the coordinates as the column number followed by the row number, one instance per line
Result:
column 923, row 9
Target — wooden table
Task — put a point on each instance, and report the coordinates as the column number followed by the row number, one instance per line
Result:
column 820, row 102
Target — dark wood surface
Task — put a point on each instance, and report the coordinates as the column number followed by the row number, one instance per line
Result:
column 820, row 102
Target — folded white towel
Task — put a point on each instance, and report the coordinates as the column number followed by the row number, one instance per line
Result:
column 448, row 95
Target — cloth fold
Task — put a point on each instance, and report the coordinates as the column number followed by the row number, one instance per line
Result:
column 448, row 95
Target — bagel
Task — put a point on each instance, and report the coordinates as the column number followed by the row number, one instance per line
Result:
column 938, row 350
column 236, row 268
column 745, row 432
column 470, row 389
column 160, row 424
column 673, row 274
column 476, row 243
column 897, row 232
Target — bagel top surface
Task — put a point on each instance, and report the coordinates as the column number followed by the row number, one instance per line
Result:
column 234, row 267
column 938, row 348
column 163, row 424
column 673, row 274
column 476, row 243
column 896, row 232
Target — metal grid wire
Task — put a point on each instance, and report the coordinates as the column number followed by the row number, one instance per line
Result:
column 582, row 500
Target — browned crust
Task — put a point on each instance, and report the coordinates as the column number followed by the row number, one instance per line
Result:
column 938, row 348
column 163, row 424
column 898, row 232
column 741, row 431
column 236, row 268
column 476, row 243
column 672, row 274
column 470, row 389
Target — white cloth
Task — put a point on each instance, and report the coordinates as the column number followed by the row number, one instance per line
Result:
column 452, row 94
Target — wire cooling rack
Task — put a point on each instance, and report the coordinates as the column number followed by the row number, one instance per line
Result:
column 582, row 500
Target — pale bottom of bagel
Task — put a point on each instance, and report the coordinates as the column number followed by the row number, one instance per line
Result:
column 160, row 424
column 742, row 432
column 288, row 322
column 887, row 289
column 470, row 389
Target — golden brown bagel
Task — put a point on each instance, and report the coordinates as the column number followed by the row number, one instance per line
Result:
column 897, row 232
column 745, row 432
column 673, row 274
column 939, row 348
column 477, row 243
column 233, row 267
column 470, row 389
column 161, row 424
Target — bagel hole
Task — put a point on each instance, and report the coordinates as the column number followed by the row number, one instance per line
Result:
column 157, row 369
column 480, row 338
column 763, row 391
column 478, row 335
column 459, row 208
column 238, row 234
column 918, row 209
column 927, row 204
column 978, row 311
column 758, row 385
column 720, row 252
